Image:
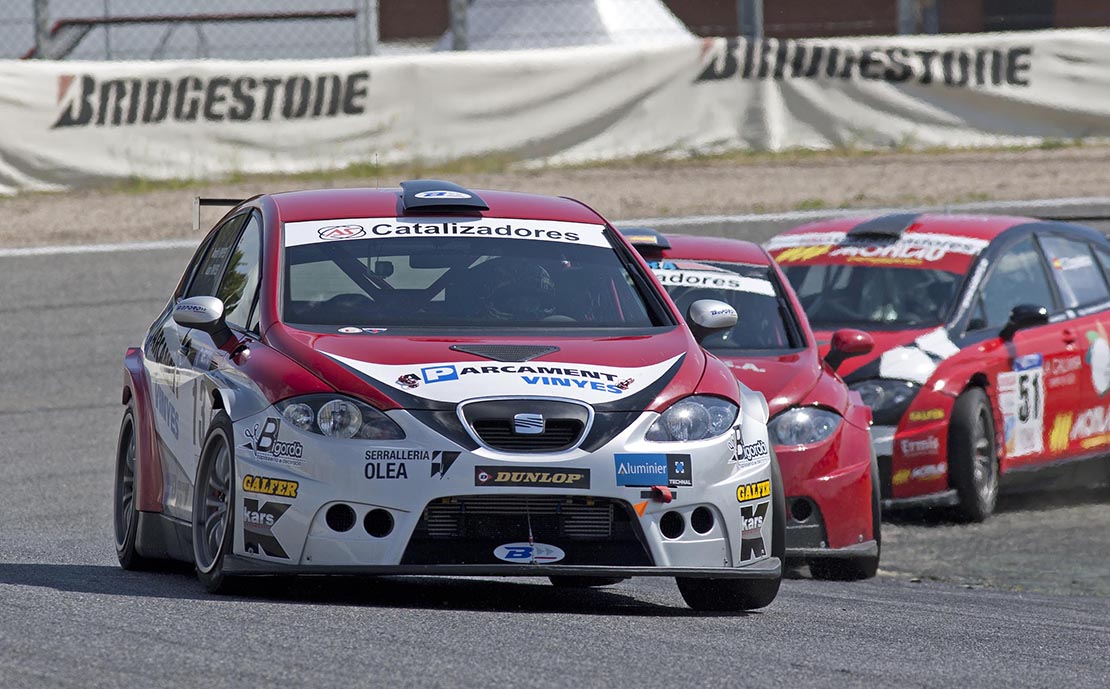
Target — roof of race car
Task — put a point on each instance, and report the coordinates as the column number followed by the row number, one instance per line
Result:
column 327, row 204
column 713, row 249
column 985, row 227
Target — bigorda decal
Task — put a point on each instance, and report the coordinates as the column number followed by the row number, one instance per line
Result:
column 263, row 441
column 1021, row 401
column 270, row 486
column 647, row 469
column 315, row 231
column 746, row 492
column 259, row 518
column 457, row 381
column 1098, row 358
column 751, row 530
column 529, row 553
column 754, row 451
column 537, row 477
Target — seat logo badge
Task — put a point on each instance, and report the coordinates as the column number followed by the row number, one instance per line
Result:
column 528, row 424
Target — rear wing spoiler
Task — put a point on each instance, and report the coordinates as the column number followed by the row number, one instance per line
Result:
column 199, row 201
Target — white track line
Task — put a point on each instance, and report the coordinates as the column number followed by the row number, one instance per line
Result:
column 683, row 221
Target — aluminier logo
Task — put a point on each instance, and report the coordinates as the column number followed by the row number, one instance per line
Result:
column 528, row 424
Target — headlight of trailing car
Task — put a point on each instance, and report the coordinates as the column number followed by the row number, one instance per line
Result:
column 339, row 417
column 694, row 418
column 887, row 398
column 802, row 426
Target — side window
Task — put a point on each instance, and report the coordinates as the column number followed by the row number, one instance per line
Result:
column 1103, row 260
column 1080, row 281
column 1018, row 278
column 208, row 273
column 240, row 281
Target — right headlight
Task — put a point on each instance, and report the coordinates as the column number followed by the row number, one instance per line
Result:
column 887, row 398
column 695, row 418
column 802, row 426
column 339, row 417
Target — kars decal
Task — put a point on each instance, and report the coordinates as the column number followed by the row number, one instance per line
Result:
column 1021, row 401
column 259, row 519
column 456, row 381
column 751, row 531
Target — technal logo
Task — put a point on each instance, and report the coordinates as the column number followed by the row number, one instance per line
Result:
column 529, row 553
column 751, row 530
column 923, row 446
column 341, row 232
column 258, row 522
column 266, row 445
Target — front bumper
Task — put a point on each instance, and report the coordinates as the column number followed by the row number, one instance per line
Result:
column 391, row 493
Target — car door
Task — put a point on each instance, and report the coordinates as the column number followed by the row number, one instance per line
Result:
column 171, row 372
column 1023, row 401
column 1081, row 379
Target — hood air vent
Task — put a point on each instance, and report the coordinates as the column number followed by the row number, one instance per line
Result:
column 506, row 352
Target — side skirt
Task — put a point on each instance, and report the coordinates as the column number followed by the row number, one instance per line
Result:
column 162, row 537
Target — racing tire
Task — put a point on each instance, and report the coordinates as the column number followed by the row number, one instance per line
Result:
column 125, row 514
column 973, row 456
column 733, row 595
column 577, row 582
column 214, row 507
column 857, row 568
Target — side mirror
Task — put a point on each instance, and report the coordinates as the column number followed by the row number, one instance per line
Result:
column 203, row 313
column 708, row 316
column 1023, row 316
column 846, row 344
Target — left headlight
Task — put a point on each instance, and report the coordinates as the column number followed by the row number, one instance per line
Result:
column 802, row 426
column 695, row 418
column 888, row 398
column 339, row 417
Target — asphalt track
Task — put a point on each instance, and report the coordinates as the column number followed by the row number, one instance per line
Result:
column 69, row 617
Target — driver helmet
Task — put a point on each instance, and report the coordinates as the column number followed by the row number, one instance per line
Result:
column 514, row 289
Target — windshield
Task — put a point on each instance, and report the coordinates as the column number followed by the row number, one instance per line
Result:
column 765, row 320
column 504, row 273
column 873, row 296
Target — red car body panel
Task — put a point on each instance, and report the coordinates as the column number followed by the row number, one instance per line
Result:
column 835, row 473
column 148, row 467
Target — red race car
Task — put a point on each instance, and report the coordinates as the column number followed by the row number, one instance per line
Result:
column 818, row 428
column 991, row 332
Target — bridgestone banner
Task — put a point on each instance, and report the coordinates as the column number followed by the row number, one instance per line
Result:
column 67, row 124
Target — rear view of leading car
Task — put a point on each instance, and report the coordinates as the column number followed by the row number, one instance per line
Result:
column 441, row 381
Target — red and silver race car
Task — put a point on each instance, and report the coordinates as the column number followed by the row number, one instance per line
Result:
column 991, row 352
column 818, row 429
column 435, row 380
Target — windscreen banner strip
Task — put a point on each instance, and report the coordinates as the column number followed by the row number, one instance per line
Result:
column 325, row 231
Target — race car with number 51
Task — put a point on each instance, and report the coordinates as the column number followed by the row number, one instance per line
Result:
column 435, row 380
column 992, row 354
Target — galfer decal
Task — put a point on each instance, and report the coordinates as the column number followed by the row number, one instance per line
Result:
column 259, row 519
column 917, row 361
column 921, row 415
column 265, row 444
column 457, row 381
column 647, row 469
column 316, row 231
column 538, row 477
column 714, row 279
column 747, row 492
column 1021, row 400
column 751, row 531
column 529, row 553
column 270, row 486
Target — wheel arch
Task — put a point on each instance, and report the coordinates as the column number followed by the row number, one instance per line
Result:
column 148, row 469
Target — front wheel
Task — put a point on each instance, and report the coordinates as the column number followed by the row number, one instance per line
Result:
column 125, row 514
column 213, row 506
column 972, row 456
column 730, row 595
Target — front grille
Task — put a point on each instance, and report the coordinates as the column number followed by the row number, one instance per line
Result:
column 468, row 529
column 494, row 516
column 557, row 435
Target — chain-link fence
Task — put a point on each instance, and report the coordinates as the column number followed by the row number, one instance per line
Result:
column 297, row 29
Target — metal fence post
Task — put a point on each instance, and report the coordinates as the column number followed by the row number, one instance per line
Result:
column 42, row 27
column 366, row 27
column 907, row 16
column 459, row 35
column 749, row 17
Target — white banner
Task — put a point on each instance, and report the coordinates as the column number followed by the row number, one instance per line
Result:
column 64, row 124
